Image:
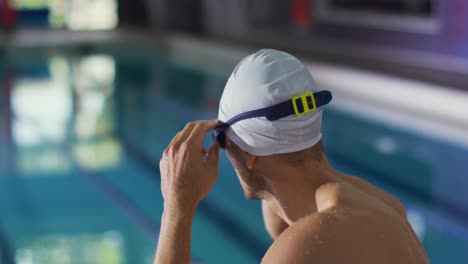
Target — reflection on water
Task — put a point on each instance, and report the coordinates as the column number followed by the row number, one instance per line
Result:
column 104, row 153
column 106, row 248
column 74, row 95
column 62, row 117
column 42, row 110
column 94, row 78
column 417, row 222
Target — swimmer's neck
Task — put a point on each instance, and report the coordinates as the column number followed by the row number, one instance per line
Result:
column 291, row 191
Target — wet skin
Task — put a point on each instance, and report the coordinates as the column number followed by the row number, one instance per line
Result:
column 356, row 223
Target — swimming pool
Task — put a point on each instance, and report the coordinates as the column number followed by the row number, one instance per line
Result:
column 82, row 130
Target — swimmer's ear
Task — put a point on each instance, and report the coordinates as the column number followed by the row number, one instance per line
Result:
column 251, row 159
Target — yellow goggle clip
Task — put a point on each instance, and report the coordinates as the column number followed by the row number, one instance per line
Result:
column 308, row 103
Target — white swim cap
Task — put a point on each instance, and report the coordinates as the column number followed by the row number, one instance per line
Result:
column 263, row 79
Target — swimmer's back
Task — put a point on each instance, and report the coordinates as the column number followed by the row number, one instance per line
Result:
column 352, row 226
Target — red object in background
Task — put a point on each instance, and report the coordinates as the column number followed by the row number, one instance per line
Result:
column 7, row 14
column 301, row 12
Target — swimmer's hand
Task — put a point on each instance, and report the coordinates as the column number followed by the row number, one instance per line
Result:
column 186, row 175
column 186, row 178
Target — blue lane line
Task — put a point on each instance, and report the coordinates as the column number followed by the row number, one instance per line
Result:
column 234, row 229
column 6, row 253
column 119, row 199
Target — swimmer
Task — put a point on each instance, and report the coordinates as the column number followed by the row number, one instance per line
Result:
column 270, row 118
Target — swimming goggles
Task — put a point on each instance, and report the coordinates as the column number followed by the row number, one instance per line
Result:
column 299, row 105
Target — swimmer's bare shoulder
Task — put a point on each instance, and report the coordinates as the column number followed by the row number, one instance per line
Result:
column 326, row 237
column 388, row 199
column 344, row 233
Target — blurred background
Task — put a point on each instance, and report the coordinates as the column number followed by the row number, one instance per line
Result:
column 92, row 91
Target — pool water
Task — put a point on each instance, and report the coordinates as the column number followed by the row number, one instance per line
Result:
column 82, row 131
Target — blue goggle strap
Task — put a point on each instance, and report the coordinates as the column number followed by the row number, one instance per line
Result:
column 298, row 105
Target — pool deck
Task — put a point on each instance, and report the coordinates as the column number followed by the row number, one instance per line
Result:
column 417, row 65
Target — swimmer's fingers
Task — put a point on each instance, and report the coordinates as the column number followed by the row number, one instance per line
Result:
column 180, row 137
column 213, row 156
column 198, row 133
column 174, row 139
column 186, row 178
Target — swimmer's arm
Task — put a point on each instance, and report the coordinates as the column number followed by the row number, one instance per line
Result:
column 188, row 172
column 174, row 238
column 273, row 223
